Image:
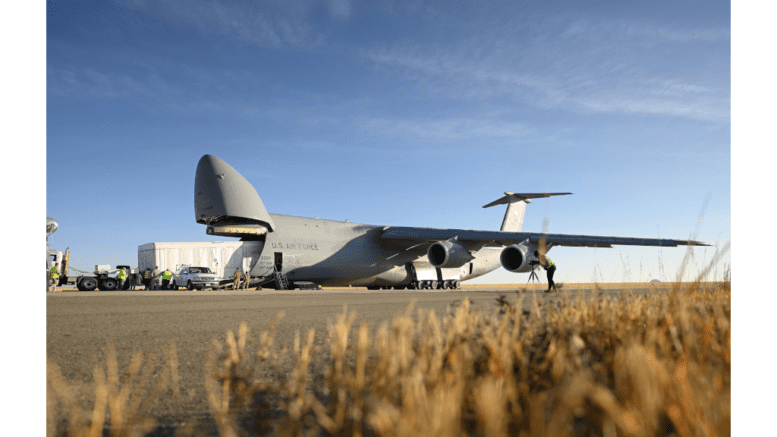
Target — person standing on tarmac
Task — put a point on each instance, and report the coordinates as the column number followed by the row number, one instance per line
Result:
column 247, row 280
column 122, row 276
column 166, row 276
column 155, row 278
column 550, row 267
column 236, row 282
column 53, row 277
column 147, row 278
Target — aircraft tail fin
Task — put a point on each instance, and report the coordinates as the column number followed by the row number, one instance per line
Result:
column 516, row 208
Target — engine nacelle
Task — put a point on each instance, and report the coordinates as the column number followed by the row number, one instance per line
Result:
column 448, row 254
column 516, row 258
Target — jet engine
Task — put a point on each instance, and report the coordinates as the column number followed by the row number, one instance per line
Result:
column 448, row 253
column 516, row 258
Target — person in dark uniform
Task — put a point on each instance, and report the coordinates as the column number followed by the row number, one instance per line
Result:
column 550, row 267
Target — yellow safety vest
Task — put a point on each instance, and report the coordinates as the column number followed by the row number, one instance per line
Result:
column 147, row 274
column 54, row 274
column 122, row 274
column 167, row 275
column 550, row 262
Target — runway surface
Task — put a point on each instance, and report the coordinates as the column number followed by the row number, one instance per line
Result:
column 81, row 324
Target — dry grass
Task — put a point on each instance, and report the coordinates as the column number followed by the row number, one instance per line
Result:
column 121, row 400
column 656, row 364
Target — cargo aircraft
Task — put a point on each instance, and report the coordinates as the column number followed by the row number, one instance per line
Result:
column 289, row 250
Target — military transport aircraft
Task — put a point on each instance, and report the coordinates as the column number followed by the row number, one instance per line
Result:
column 291, row 249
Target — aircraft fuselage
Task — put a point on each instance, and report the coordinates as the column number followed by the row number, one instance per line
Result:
column 334, row 253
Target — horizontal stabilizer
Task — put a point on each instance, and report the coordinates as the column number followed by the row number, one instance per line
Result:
column 516, row 197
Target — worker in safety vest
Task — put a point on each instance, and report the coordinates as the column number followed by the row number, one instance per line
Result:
column 53, row 276
column 166, row 276
column 122, row 276
column 550, row 267
column 147, row 278
column 236, row 282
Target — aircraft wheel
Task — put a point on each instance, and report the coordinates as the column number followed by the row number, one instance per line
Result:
column 446, row 285
column 189, row 286
column 457, row 285
column 434, row 285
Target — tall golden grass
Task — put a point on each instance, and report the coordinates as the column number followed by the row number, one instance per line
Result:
column 640, row 365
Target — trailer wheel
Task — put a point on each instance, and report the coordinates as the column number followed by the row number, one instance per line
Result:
column 87, row 284
column 108, row 284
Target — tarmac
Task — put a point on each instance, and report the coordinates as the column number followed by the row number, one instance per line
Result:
column 80, row 325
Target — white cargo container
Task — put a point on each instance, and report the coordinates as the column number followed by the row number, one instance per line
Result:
column 222, row 257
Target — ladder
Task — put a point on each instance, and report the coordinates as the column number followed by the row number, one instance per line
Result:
column 281, row 282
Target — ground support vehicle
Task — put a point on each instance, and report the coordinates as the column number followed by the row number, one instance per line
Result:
column 193, row 277
column 221, row 257
column 102, row 278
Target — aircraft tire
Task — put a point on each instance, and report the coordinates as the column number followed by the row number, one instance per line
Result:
column 434, row 285
column 446, row 285
column 457, row 285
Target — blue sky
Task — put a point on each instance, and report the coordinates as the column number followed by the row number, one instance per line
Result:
column 385, row 113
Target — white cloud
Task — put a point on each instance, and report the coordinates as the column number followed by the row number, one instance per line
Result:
column 265, row 23
column 588, row 67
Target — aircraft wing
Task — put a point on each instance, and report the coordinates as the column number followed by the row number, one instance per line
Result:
column 472, row 239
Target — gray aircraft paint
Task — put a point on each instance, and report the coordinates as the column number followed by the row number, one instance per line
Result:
column 334, row 253
column 516, row 208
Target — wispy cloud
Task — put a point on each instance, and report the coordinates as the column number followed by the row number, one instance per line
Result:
column 579, row 65
column 266, row 23
column 446, row 129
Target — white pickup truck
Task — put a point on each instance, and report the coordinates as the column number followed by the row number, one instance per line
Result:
column 194, row 277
